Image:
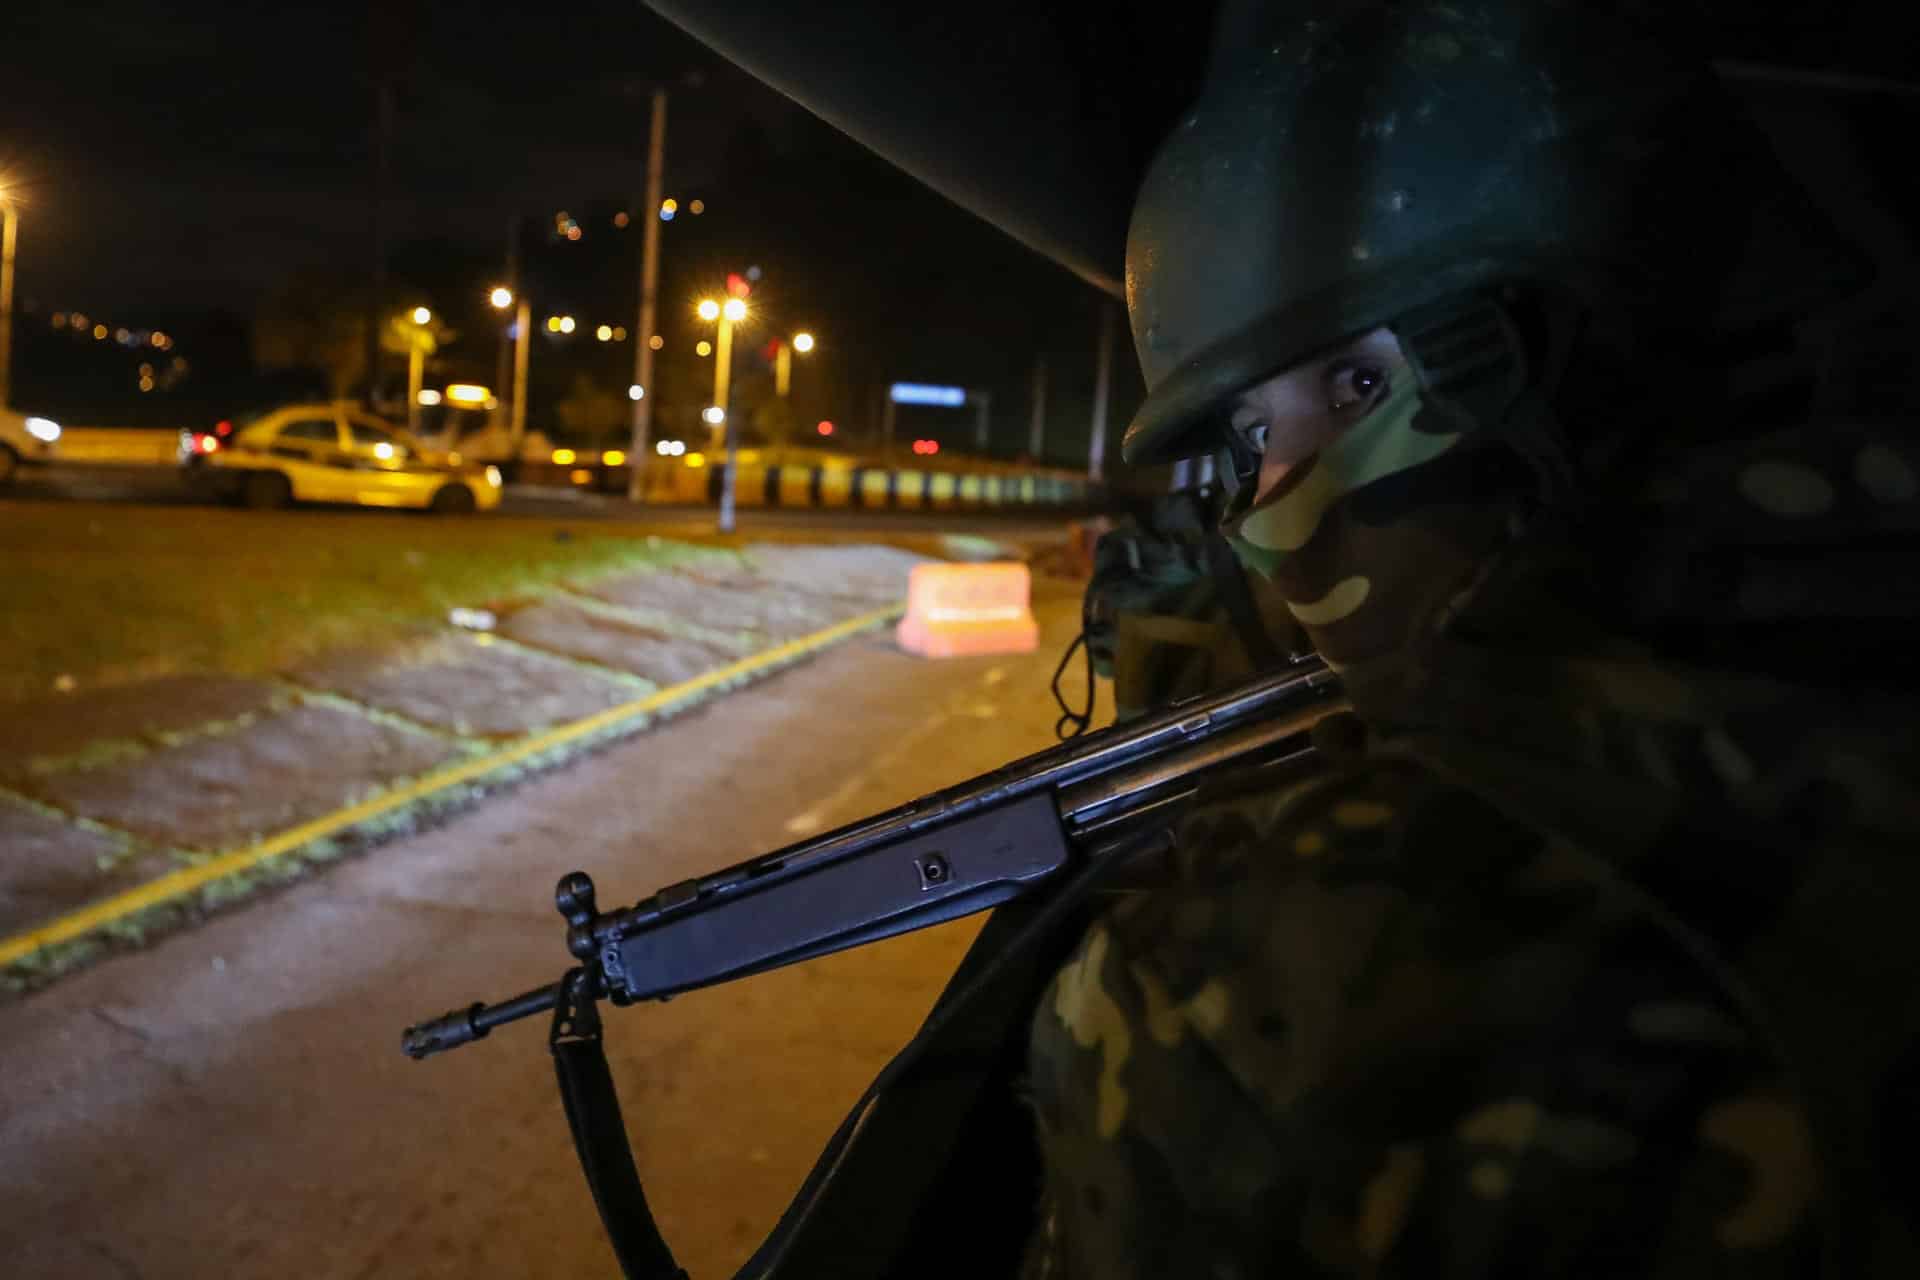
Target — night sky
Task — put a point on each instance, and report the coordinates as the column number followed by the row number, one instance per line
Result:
column 179, row 162
column 181, row 158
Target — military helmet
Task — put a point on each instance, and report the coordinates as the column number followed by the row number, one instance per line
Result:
column 1343, row 170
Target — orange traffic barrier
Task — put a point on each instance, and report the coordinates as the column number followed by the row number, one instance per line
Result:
column 958, row 610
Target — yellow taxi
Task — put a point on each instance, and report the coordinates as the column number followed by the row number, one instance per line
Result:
column 332, row 453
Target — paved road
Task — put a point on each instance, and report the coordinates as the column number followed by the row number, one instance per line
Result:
column 163, row 486
column 233, row 1103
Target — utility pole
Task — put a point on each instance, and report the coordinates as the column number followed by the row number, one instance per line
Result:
column 649, row 291
column 1102, row 376
column 503, row 361
column 983, row 411
column 382, row 174
column 722, row 384
column 9, row 238
column 1037, row 432
column 522, row 342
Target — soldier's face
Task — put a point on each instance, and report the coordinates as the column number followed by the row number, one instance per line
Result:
column 1293, row 415
column 1363, row 537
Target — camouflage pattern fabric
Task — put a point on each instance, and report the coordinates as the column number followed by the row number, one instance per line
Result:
column 1364, row 540
column 1157, row 621
column 1597, row 960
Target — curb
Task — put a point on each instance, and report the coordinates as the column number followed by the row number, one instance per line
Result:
column 184, row 881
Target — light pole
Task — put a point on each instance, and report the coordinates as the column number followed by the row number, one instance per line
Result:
column 9, row 236
column 728, row 313
column 503, row 360
column 783, row 361
column 502, row 297
column 649, row 291
column 1102, row 377
column 1037, row 427
column 417, row 364
column 783, row 352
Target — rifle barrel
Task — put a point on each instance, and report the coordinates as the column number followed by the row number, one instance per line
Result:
column 461, row 1026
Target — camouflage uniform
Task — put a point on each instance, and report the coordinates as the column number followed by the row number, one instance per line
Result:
column 1595, row 961
column 1591, row 955
column 1170, row 614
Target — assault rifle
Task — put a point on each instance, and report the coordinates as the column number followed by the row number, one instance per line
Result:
column 1061, row 817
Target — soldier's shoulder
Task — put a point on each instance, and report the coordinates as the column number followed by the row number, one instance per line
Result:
column 1853, row 470
column 1368, row 816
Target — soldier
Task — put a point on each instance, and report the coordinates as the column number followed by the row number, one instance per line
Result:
column 1591, row 955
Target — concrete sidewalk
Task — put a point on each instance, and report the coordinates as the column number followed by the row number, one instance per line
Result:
column 107, row 790
column 233, row 1102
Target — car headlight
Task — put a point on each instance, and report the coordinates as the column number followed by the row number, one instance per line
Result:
column 493, row 476
column 45, row 430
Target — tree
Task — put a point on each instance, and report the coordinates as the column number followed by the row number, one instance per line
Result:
column 591, row 412
column 315, row 321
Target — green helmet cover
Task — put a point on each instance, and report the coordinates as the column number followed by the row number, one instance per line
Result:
column 1343, row 170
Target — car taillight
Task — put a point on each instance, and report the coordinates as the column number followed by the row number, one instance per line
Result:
column 223, row 428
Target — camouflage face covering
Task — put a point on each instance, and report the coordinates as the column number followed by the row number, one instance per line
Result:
column 1367, row 536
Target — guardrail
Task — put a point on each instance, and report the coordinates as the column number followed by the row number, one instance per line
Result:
column 809, row 483
column 118, row 446
column 766, row 478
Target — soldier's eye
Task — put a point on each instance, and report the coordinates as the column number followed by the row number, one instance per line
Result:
column 1255, row 436
column 1354, row 385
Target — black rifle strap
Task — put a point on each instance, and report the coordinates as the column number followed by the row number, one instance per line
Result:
column 1231, row 578
column 600, row 1135
column 861, row 1207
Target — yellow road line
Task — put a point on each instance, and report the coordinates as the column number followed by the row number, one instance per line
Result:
column 185, row 880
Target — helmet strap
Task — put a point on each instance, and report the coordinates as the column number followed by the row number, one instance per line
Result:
column 1481, row 376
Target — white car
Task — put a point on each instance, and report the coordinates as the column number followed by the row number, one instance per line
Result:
column 25, row 440
column 332, row 453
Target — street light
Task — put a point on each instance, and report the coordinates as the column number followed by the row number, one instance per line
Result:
column 9, row 236
column 503, row 297
column 730, row 313
column 567, row 324
column 783, row 362
column 417, row 344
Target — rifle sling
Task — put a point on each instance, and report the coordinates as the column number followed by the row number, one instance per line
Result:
column 1231, row 577
column 600, row 1138
column 866, row 1205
